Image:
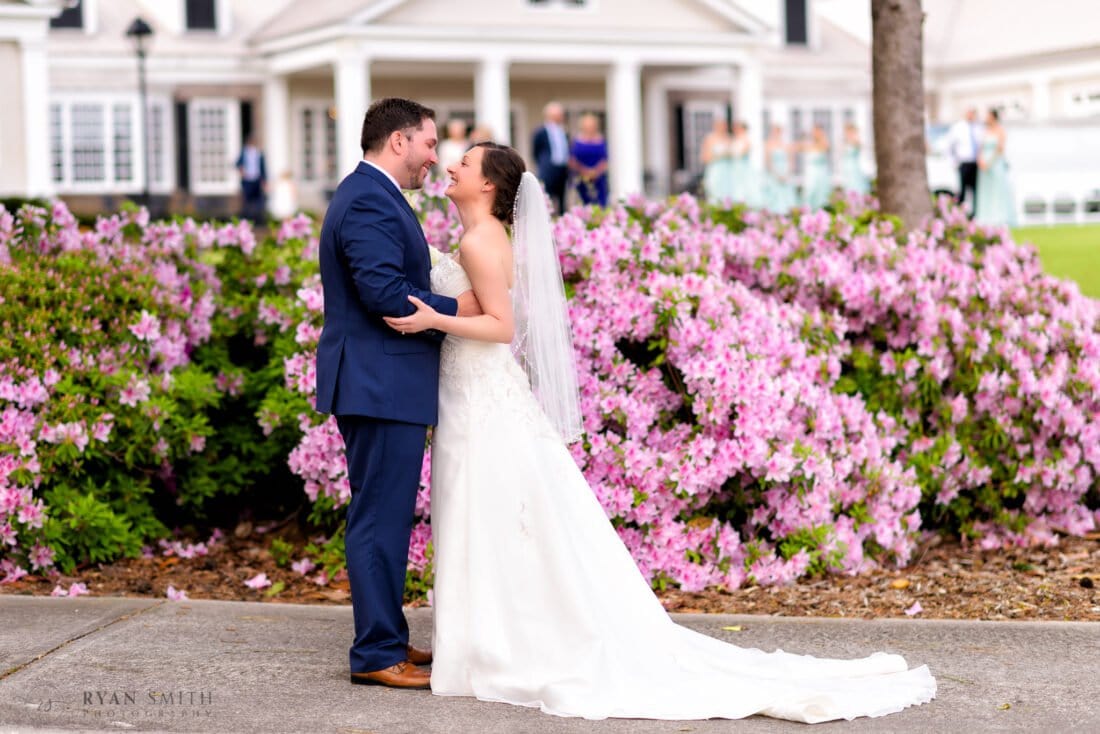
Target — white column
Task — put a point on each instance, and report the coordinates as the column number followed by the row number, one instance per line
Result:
column 1040, row 99
column 36, row 117
column 492, row 98
column 276, row 142
column 624, row 128
column 657, row 136
column 352, row 86
column 749, row 106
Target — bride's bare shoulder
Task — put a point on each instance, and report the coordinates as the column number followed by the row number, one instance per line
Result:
column 486, row 238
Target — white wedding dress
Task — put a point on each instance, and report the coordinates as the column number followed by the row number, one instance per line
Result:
column 537, row 602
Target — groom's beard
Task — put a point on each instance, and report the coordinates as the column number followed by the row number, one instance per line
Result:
column 414, row 175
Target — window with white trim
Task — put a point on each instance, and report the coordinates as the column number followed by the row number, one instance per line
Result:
column 1083, row 101
column 798, row 134
column 330, row 144
column 309, row 152
column 158, row 152
column 89, row 147
column 57, row 145
column 96, row 145
column 215, row 140
column 317, row 143
column 123, row 143
column 698, row 122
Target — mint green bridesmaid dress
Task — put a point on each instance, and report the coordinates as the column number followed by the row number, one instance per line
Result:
column 780, row 195
column 851, row 172
column 994, row 202
column 816, row 186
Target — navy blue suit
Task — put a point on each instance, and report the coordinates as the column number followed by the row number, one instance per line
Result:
column 553, row 176
column 383, row 388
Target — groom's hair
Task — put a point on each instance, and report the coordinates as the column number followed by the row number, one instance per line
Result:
column 389, row 115
column 504, row 167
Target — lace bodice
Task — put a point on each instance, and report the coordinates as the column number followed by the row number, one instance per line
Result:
column 478, row 379
column 448, row 277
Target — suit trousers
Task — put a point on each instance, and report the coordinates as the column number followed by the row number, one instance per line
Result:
column 384, row 460
column 555, row 179
column 968, row 179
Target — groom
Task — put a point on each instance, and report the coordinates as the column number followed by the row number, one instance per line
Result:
column 381, row 385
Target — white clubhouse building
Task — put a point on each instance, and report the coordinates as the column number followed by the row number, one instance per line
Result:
column 300, row 73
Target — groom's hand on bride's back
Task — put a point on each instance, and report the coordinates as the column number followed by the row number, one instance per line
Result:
column 468, row 304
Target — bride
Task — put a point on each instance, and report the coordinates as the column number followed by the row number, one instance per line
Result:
column 537, row 601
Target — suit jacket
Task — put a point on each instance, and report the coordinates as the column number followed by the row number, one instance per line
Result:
column 263, row 167
column 542, row 151
column 373, row 256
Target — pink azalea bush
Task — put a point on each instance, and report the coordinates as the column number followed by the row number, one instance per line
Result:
column 764, row 396
column 97, row 398
column 123, row 373
column 768, row 396
column 989, row 367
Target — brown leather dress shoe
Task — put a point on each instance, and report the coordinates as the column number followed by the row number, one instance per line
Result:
column 419, row 657
column 401, row 675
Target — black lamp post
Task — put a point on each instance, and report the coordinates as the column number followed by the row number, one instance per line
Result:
column 138, row 32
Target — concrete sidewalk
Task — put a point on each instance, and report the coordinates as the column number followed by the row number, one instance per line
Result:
column 208, row 666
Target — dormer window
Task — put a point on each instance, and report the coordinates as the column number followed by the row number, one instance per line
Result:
column 201, row 15
column 71, row 17
column 796, row 22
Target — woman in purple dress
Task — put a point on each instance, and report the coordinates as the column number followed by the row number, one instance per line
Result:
column 588, row 161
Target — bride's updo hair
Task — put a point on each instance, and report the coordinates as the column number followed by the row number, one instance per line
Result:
column 504, row 167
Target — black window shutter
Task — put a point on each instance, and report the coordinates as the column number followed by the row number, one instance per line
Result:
column 201, row 16
column 183, row 153
column 796, row 21
column 72, row 17
column 246, row 120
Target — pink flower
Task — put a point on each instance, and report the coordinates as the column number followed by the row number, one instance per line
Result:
column 147, row 328
column 12, row 572
column 176, row 594
column 260, row 581
column 41, row 557
column 137, row 392
column 303, row 566
column 914, row 610
column 76, row 589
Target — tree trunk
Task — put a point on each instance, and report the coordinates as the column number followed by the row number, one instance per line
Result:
column 897, row 66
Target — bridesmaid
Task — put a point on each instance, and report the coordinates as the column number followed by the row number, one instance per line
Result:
column 994, row 202
column 717, row 156
column 746, row 179
column 816, row 184
column 779, row 193
column 588, row 161
column 852, row 176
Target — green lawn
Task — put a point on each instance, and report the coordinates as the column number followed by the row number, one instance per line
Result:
column 1068, row 251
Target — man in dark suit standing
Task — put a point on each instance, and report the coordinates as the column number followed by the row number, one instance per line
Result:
column 551, row 149
column 253, row 171
column 381, row 385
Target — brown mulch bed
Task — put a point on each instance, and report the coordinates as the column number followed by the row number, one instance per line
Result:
column 947, row 580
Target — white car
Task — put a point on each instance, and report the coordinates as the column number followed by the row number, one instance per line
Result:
column 943, row 173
